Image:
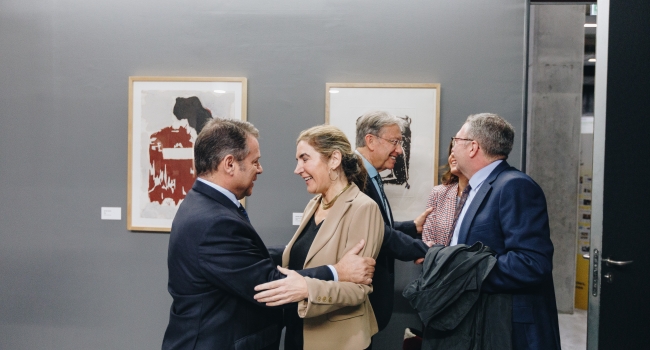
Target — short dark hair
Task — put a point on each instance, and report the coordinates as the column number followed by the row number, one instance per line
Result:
column 219, row 138
column 493, row 133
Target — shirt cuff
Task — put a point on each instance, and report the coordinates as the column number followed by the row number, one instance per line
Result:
column 336, row 275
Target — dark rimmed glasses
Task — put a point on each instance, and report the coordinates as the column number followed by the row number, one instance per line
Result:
column 453, row 140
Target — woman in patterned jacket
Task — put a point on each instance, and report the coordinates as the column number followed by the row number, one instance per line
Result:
column 443, row 199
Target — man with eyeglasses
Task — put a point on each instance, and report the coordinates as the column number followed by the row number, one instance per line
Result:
column 506, row 210
column 379, row 142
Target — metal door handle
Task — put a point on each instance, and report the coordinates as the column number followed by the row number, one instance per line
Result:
column 616, row 263
column 611, row 262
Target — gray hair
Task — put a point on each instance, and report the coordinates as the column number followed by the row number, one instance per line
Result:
column 372, row 122
column 219, row 138
column 493, row 133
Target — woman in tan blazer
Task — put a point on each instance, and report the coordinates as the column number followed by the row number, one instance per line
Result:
column 336, row 315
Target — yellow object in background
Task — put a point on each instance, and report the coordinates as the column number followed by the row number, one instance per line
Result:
column 582, row 283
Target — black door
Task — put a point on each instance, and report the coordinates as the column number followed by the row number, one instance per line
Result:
column 625, row 290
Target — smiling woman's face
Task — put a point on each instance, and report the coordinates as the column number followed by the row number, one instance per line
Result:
column 453, row 165
column 311, row 167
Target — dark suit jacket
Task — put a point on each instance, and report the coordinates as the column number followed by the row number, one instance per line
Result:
column 508, row 214
column 401, row 242
column 215, row 259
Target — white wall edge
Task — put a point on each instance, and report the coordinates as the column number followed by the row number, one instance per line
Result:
column 600, row 114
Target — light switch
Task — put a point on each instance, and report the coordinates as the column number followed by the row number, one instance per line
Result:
column 111, row 213
column 297, row 218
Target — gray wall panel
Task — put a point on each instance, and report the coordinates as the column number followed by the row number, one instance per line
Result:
column 555, row 107
column 71, row 281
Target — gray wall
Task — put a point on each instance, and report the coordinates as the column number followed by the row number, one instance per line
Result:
column 555, row 107
column 71, row 281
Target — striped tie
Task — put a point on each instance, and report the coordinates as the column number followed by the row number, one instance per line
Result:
column 242, row 210
column 459, row 208
column 383, row 197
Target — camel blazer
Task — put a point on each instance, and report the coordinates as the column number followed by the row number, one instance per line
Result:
column 438, row 223
column 338, row 315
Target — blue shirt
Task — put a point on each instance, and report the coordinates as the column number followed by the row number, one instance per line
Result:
column 372, row 172
column 475, row 182
column 223, row 191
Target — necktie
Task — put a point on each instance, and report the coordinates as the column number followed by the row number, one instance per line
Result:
column 383, row 197
column 459, row 208
column 242, row 210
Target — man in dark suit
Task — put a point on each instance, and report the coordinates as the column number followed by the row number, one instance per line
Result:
column 216, row 258
column 379, row 142
column 506, row 210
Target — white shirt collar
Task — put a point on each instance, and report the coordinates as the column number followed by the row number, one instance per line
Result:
column 223, row 191
column 477, row 180
column 372, row 171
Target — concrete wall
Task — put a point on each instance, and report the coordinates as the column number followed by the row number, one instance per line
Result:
column 71, row 281
column 555, row 109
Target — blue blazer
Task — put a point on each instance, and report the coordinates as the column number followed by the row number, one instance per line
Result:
column 400, row 242
column 215, row 260
column 509, row 215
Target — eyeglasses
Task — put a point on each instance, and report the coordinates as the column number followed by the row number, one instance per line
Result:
column 394, row 142
column 454, row 139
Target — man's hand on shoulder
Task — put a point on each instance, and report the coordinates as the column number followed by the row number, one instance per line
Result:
column 284, row 291
column 419, row 221
column 354, row 268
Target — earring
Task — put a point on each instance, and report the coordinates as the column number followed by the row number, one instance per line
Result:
column 329, row 174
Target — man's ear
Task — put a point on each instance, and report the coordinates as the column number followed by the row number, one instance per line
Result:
column 228, row 164
column 369, row 142
column 474, row 151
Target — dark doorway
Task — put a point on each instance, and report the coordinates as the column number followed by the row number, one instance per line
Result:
column 624, row 315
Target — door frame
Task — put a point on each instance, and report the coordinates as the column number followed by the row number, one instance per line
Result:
column 600, row 108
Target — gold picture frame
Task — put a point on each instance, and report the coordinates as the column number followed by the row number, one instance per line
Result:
column 409, row 184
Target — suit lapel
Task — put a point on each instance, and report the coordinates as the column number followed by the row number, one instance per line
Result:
column 390, row 213
column 226, row 203
column 449, row 205
column 478, row 199
column 219, row 197
column 306, row 216
column 371, row 191
column 329, row 227
column 451, row 194
column 471, row 212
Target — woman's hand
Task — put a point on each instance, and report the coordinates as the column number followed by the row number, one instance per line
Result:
column 279, row 292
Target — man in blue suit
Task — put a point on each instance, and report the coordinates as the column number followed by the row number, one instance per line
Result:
column 216, row 257
column 506, row 210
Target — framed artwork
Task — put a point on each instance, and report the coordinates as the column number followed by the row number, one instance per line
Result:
column 165, row 116
column 408, row 185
